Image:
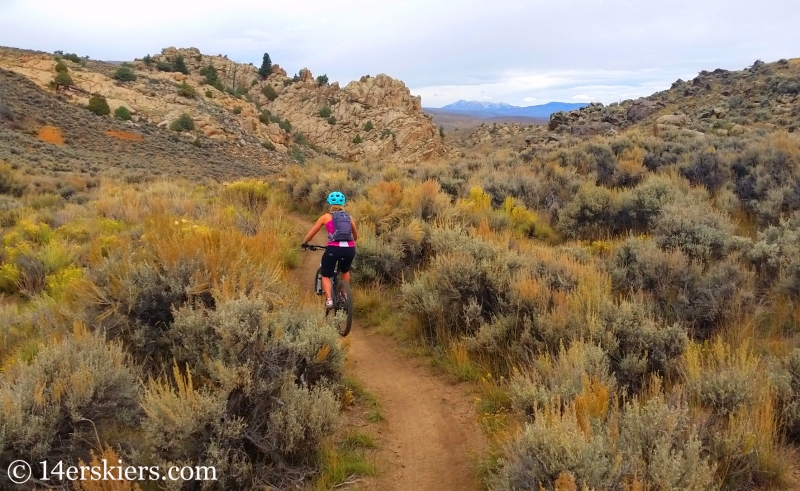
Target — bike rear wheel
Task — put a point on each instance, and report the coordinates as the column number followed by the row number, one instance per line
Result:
column 343, row 302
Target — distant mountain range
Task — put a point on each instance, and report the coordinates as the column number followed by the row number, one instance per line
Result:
column 486, row 110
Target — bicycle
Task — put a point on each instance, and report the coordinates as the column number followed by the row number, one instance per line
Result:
column 342, row 298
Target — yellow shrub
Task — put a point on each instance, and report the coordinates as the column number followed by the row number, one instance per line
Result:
column 9, row 276
column 479, row 200
column 62, row 282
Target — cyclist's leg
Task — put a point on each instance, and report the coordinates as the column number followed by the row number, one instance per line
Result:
column 327, row 286
column 345, row 261
column 327, row 266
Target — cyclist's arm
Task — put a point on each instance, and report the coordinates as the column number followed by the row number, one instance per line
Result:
column 355, row 230
column 315, row 229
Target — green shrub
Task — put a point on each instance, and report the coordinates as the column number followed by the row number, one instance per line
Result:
column 378, row 259
column 590, row 214
column 264, row 117
column 300, row 139
column 122, row 113
column 357, row 139
column 242, row 345
column 186, row 90
column 86, row 391
column 179, row 65
column 700, row 231
column 183, row 123
column 368, row 126
column 643, row 346
column 61, row 67
column 325, row 112
column 297, row 154
column 164, row 67
column 124, row 74
column 98, row 105
column 461, row 288
column 210, row 74
column 683, row 291
column 791, row 408
column 322, row 80
column 237, row 110
column 560, row 378
column 707, row 169
column 73, row 58
column 148, row 60
column 776, row 256
column 285, row 125
column 569, row 449
column 332, row 120
column 209, row 94
column 63, row 79
column 268, row 145
column 720, row 378
column 762, row 115
column 269, row 92
column 641, row 205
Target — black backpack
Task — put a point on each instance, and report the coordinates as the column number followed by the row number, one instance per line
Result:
column 342, row 227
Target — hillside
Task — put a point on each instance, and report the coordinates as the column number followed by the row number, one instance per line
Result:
column 48, row 135
column 722, row 102
column 375, row 117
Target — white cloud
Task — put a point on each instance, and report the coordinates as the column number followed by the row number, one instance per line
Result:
column 530, row 99
column 581, row 97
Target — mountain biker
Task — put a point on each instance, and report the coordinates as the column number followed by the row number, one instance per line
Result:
column 341, row 247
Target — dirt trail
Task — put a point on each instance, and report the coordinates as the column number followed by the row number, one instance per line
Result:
column 431, row 436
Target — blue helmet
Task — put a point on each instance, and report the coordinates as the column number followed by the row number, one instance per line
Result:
column 336, row 198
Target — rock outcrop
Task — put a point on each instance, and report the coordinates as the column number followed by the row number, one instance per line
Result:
column 766, row 96
column 641, row 108
column 375, row 117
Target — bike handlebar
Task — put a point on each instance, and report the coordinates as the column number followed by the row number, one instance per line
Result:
column 312, row 247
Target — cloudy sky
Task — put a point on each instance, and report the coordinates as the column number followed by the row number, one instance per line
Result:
column 520, row 52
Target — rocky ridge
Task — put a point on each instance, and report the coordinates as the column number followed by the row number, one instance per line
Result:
column 398, row 129
column 765, row 96
column 723, row 102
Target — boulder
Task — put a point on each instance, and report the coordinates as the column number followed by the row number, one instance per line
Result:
column 306, row 76
column 673, row 120
column 591, row 129
column 277, row 70
column 557, row 119
column 736, row 130
column 641, row 108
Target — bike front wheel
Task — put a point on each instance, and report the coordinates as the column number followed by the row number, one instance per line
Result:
column 343, row 302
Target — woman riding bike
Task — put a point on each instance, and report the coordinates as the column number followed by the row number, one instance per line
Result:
column 341, row 248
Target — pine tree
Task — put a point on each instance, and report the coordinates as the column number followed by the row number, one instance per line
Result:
column 266, row 67
column 179, row 65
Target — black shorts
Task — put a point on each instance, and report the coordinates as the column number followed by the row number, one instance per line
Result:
column 333, row 254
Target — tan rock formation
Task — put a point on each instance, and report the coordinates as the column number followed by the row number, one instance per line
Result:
column 381, row 111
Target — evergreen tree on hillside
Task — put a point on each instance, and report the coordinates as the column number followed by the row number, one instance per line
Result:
column 179, row 65
column 266, row 67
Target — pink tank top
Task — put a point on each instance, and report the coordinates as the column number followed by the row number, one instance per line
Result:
column 344, row 243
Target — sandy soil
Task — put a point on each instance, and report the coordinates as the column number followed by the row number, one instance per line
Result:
column 50, row 134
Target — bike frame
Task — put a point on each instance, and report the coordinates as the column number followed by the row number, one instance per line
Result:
column 337, row 284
